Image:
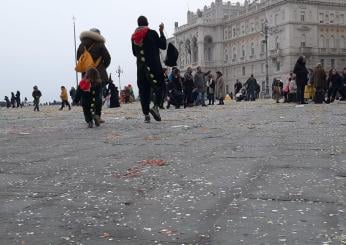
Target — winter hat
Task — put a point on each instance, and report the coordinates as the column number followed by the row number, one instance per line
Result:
column 95, row 30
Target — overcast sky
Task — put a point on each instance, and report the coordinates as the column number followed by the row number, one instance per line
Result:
column 37, row 45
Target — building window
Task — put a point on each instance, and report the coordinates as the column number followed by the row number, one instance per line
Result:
column 322, row 42
column 342, row 19
column 276, row 19
column 321, row 18
column 262, row 67
column 332, row 42
column 342, row 42
column 234, row 33
column 263, row 47
column 303, row 42
column 278, row 66
column 243, row 50
column 322, row 62
column 252, row 49
column 302, row 16
column 277, row 43
column 331, row 18
column 234, row 53
column 332, row 62
column 243, row 71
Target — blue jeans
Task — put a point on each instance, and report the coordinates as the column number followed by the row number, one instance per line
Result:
column 251, row 96
column 200, row 98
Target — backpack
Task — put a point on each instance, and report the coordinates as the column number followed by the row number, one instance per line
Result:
column 86, row 61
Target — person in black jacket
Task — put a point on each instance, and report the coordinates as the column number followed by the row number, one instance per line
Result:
column 113, row 91
column 301, row 78
column 36, row 94
column 146, row 45
column 94, row 42
column 175, row 90
column 188, row 86
column 89, row 93
column 335, row 85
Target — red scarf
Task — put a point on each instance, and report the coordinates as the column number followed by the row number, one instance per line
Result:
column 85, row 85
column 139, row 35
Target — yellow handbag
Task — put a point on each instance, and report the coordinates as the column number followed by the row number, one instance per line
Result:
column 86, row 61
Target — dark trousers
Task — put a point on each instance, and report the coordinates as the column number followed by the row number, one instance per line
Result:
column 146, row 90
column 36, row 105
column 333, row 91
column 211, row 99
column 90, row 111
column 63, row 103
column 300, row 92
column 188, row 99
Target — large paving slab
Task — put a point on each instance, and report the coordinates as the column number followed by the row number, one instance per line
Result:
column 243, row 173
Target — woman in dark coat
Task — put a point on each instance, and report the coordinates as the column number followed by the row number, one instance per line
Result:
column 13, row 100
column 113, row 91
column 319, row 81
column 175, row 90
column 95, row 44
column 188, row 86
column 301, row 78
column 335, row 84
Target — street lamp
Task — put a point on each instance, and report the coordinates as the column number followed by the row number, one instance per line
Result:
column 75, row 46
column 265, row 41
column 119, row 71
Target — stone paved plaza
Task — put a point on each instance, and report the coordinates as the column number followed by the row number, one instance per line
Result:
column 243, row 173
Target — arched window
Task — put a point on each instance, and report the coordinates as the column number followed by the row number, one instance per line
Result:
column 277, row 43
column 342, row 42
column 252, row 49
column 194, row 50
column 208, row 48
column 322, row 42
column 332, row 42
column 234, row 53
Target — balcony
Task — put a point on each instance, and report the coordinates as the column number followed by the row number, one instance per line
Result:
column 307, row 51
column 275, row 53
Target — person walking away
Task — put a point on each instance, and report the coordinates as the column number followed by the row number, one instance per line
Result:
column 18, row 100
column 25, row 101
column 90, row 96
column 114, row 95
column 64, row 98
column 335, row 85
column 188, row 86
column 13, row 100
column 220, row 88
column 276, row 90
column 200, row 84
column 36, row 94
column 94, row 42
column 72, row 93
column 146, row 45
column 301, row 74
column 8, row 102
column 251, row 85
column 211, row 89
column 319, row 80
column 164, row 88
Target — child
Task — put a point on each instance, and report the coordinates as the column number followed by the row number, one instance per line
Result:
column 89, row 92
column 64, row 98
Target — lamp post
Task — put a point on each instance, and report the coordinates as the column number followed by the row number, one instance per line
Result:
column 119, row 71
column 75, row 46
column 265, row 41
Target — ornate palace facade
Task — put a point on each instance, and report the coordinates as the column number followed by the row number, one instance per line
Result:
column 230, row 37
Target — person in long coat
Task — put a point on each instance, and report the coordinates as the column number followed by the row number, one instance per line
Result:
column 301, row 78
column 94, row 42
column 220, row 88
column 146, row 45
column 319, row 81
column 113, row 91
column 13, row 100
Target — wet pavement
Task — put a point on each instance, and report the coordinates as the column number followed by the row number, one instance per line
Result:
column 243, row 173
